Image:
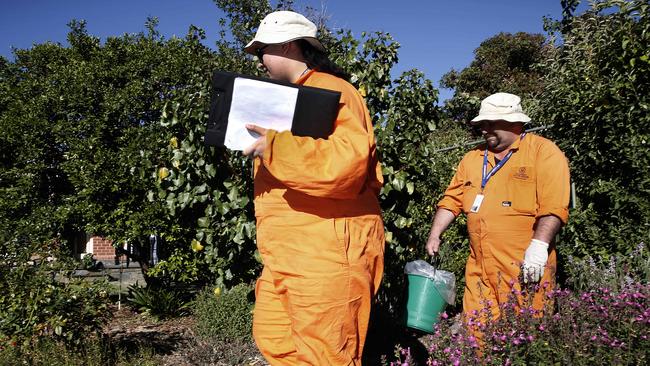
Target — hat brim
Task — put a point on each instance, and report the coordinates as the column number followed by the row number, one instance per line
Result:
column 255, row 44
column 510, row 117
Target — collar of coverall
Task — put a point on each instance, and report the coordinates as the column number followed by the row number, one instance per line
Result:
column 304, row 77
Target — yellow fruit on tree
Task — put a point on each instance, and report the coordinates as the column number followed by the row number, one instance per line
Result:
column 163, row 173
column 196, row 245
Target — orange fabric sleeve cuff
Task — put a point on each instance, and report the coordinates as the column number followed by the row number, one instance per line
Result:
column 561, row 213
column 449, row 203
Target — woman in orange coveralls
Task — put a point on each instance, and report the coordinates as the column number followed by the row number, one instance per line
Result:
column 319, row 226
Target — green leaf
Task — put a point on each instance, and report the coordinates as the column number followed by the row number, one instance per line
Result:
column 410, row 187
column 210, row 170
column 203, row 222
column 398, row 183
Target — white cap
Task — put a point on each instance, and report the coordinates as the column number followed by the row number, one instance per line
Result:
column 501, row 106
column 282, row 27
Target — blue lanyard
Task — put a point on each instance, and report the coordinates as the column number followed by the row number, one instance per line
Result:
column 487, row 175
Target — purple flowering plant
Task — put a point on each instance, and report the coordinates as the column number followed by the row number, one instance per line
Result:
column 603, row 320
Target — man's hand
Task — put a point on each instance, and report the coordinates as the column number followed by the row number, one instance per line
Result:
column 433, row 244
column 534, row 261
column 441, row 221
column 257, row 148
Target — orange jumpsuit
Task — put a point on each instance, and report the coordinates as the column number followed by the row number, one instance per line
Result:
column 534, row 182
column 321, row 237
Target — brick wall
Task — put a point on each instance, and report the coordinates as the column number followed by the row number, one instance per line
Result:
column 102, row 249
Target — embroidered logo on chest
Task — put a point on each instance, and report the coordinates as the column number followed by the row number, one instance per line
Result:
column 521, row 173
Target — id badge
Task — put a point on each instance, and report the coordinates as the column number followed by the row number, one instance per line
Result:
column 477, row 203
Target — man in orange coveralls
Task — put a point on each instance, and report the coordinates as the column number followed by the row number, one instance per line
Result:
column 514, row 191
column 319, row 226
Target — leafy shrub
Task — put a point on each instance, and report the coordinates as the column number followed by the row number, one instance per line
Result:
column 597, row 98
column 43, row 301
column 181, row 268
column 616, row 273
column 224, row 315
column 94, row 352
column 159, row 302
column 604, row 323
column 87, row 261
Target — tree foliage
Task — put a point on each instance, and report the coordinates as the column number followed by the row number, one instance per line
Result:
column 108, row 138
column 81, row 135
column 596, row 96
column 503, row 63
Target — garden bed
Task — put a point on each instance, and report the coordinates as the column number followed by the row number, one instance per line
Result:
column 174, row 342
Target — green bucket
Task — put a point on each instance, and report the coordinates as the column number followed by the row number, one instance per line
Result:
column 424, row 303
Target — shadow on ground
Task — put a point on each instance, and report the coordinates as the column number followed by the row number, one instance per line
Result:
column 385, row 334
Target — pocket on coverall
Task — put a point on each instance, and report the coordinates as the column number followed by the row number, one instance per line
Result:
column 522, row 189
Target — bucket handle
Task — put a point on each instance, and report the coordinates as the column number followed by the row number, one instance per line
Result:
column 435, row 262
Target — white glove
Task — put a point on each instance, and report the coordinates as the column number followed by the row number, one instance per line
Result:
column 534, row 261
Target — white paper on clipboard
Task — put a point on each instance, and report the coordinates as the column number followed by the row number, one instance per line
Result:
column 264, row 104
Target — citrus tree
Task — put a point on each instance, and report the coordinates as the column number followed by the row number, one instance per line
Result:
column 81, row 136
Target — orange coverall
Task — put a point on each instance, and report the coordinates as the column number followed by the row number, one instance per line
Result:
column 533, row 183
column 321, row 237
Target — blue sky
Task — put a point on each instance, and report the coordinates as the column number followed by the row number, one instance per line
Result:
column 435, row 35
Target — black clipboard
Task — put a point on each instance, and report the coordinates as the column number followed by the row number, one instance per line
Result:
column 314, row 116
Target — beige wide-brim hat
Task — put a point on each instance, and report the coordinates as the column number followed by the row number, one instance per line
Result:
column 501, row 106
column 282, row 27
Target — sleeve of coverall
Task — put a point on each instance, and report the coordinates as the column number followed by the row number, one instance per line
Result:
column 336, row 167
column 553, row 183
column 453, row 198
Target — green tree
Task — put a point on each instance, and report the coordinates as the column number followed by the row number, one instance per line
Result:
column 503, row 63
column 596, row 96
column 81, row 135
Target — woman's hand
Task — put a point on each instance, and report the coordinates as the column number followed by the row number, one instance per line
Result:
column 257, row 148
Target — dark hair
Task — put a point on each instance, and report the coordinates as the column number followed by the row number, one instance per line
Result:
column 318, row 60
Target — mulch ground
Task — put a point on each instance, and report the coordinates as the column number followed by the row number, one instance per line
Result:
column 173, row 341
